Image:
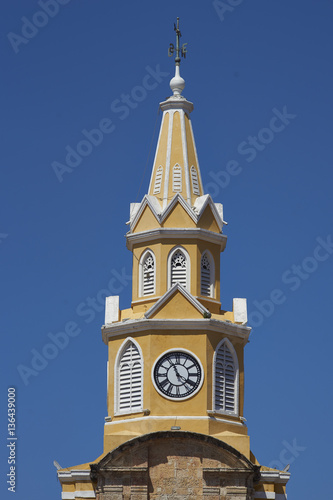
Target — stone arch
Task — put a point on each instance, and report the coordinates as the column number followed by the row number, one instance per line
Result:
column 176, row 464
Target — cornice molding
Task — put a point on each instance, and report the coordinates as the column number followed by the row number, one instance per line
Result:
column 68, row 476
column 274, row 476
column 181, row 233
column 129, row 327
column 176, row 103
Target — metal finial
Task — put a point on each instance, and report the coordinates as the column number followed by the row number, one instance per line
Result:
column 180, row 51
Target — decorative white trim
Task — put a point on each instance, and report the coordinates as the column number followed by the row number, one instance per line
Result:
column 239, row 307
column 196, row 157
column 188, row 265
column 185, row 157
column 236, row 384
column 68, row 476
column 239, row 332
column 274, row 476
column 167, row 162
column 70, row 495
column 177, row 287
column 120, row 352
column 212, row 277
column 176, row 103
column 178, row 198
column 179, row 349
column 270, row 495
column 172, row 419
column 156, row 151
column 183, row 233
column 152, row 203
column 195, row 213
column 141, row 281
column 200, row 205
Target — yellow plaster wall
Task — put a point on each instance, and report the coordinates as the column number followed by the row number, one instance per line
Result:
column 178, row 307
column 178, row 218
column 195, row 249
column 176, row 155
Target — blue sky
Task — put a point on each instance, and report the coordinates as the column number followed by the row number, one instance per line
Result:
column 62, row 243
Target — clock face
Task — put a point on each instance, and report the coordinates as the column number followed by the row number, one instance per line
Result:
column 177, row 374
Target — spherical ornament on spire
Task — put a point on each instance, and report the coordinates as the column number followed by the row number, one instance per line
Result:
column 177, row 83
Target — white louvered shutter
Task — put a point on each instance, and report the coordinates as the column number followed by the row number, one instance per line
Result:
column 225, row 380
column 148, row 269
column 158, row 180
column 195, row 182
column 206, row 280
column 178, row 268
column 130, row 380
column 177, row 179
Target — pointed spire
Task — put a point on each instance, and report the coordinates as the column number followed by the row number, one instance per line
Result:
column 177, row 83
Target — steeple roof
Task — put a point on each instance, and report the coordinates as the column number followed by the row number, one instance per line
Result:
column 176, row 166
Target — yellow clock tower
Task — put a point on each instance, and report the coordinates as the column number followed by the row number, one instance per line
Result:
column 175, row 426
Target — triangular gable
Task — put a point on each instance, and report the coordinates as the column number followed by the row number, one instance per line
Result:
column 150, row 203
column 178, row 217
column 177, row 303
column 200, row 206
column 194, row 213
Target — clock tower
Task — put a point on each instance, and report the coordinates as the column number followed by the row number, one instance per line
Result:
column 175, row 426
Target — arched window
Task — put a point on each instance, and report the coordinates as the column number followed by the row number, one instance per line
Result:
column 207, row 275
column 128, row 378
column 178, row 266
column 177, row 179
column 147, row 274
column 195, row 182
column 225, row 387
column 158, row 180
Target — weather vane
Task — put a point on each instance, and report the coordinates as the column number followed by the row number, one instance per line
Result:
column 180, row 51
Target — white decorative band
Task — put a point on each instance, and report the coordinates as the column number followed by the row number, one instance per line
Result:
column 269, row 495
column 71, row 495
column 137, row 419
column 264, row 494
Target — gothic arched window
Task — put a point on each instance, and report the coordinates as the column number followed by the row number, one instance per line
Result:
column 177, row 179
column 158, row 180
column 178, row 267
column 225, row 386
column 207, row 275
column 147, row 274
column 128, row 378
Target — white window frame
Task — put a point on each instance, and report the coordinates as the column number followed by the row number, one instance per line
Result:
column 121, row 350
column 177, row 168
column 212, row 274
column 188, row 265
column 236, row 368
column 141, row 281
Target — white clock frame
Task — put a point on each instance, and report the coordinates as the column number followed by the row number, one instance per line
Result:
column 186, row 351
